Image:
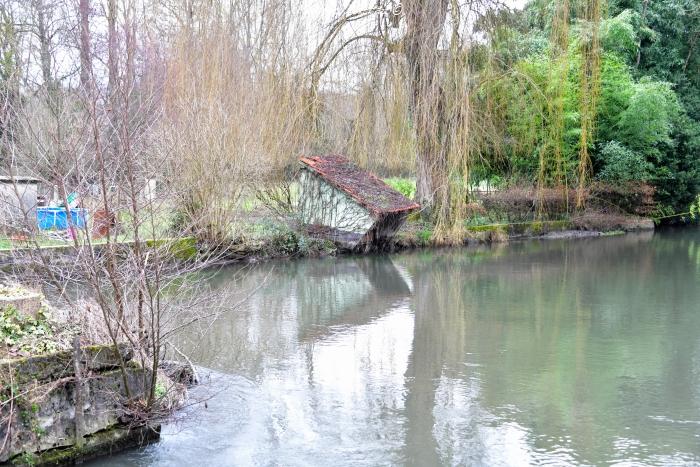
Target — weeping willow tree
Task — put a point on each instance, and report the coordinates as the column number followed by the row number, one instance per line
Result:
column 590, row 49
column 429, row 111
column 381, row 136
column 399, row 142
column 551, row 152
column 425, row 21
column 363, row 138
column 451, row 211
column 551, row 171
column 441, row 80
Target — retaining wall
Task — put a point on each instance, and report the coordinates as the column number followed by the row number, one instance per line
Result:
column 38, row 422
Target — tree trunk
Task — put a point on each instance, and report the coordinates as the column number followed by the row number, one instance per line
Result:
column 112, row 64
column 44, row 44
column 112, row 100
column 85, row 56
column 425, row 21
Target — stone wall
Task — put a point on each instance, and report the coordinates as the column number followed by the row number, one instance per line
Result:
column 38, row 412
column 322, row 204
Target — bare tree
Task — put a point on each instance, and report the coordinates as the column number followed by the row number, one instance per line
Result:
column 123, row 274
column 85, row 53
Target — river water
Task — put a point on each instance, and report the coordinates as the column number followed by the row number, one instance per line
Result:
column 562, row 352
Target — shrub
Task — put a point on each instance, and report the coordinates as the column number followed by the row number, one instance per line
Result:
column 648, row 120
column 622, row 164
column 27, row 334
column 280, row 239
column 631, row 197
column 424, row 235
column 619, row 34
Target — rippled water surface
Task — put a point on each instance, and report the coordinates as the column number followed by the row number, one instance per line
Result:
column 572, row 352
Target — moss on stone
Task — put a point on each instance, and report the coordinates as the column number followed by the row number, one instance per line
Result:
column 485, row 228
column 105, row 442
column 613, row 233
column 56, row 365
column 182, row 249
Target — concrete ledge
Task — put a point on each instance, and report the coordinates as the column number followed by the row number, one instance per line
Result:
column 39, row 410
column 103, row 443
column 50, row 367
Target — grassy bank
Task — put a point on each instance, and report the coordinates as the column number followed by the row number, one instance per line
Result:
column 267, row 237
column 257, row 230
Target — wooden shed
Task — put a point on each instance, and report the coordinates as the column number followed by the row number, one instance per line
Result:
column 348, row 205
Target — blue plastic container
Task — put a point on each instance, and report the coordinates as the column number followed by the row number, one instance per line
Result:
column 57, row 218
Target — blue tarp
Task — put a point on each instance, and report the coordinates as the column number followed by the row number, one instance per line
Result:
column 57, row 218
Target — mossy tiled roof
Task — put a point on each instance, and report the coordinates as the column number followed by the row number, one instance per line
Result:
column 366, row 189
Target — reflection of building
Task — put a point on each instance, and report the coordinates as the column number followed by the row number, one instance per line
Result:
column 348, row 205
column 17, row 198
column 302, row 303
column 347, row 293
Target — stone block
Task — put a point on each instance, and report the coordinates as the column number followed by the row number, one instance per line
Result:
column 27, row 304
column 42, row 414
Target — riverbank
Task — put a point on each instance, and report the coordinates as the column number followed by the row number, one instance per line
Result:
column 261, row 231
column 269, row 239
column 58, row 408
column 416, row 235
column 61, row 401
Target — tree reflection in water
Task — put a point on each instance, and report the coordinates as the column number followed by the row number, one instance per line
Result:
column 567, row 352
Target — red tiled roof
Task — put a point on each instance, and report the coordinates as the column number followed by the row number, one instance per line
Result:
column 365, row 188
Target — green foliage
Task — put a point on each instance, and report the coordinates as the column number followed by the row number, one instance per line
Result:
column 405, row 186
column 619, row 35
column 695, row 209
column 307, row 246
column 647, row 122
column 279, row 239
column 27, row 458
column 25, row 333
column 284, row 240
column 160, row 390
column 531, row 97
column 617, row 88
column 646, row 126
column 520, row 97
column 623, row 164
column 669, row 32
column 677, row 167
column 424, row 235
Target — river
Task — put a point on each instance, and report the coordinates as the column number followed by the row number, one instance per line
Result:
column 562, row 352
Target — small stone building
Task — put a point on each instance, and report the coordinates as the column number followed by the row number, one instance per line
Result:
column 18, row 195
column 348, row 205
